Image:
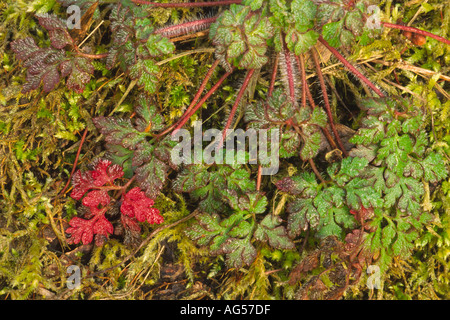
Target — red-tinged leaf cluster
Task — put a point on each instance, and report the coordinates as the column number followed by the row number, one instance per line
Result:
column 49, row 65
column 136, row 204
column 84, row 230
column 102, row 174
column 136, row 207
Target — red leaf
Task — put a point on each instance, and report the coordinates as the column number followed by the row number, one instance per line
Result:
column 103, row 226
column 57, row 30
column 84, row 230
column 105, row 173
column 82, row 182
column 95, row 198
column 136, row 204
column 80, row 230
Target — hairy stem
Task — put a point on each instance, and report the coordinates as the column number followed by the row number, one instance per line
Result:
column 289, row 73
column 327, row 102
column 187, row 4
column 415, row 30
column 351, row 68
column 187, row 27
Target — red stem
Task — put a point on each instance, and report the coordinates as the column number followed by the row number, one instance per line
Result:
column 89, row 56
column 76, row 160
column 194, row 101
column 351, row 68
column 274, row 75
column 290, row 74
column 313, row 105
column 236, row 104
column 418, row 31
column 187, row 4
column 202, row 101
column 258, row 178
column 301, row 65
column 327, row 102
column 187, row 27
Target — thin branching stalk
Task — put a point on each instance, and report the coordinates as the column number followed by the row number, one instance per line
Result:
column 236, row 104
column 187, row 115
column 76, row 161
column 196, row 97
column 313, row 106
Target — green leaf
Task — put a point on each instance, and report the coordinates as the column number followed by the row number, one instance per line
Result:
column 331, row 33
column 153, row 165
column 302, row 214
column 239, row 252
column 79, row 70
column 304, row 184
column 434, row 168
column 146, row 74
column 158, row 45
column 319, row 118
column 354, row 22
column 360, row 193
column 304, row 12
column 254, row 4
column 311, row 142
column 119, row 131
column 269, row 230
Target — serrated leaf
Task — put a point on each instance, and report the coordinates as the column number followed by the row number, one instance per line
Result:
column 270, row 230
column 254, row 4
column 149, row 119
column 300, row 42
column 318, row 118
column 146, row 74
column 359, row 193
column 434, row 168
column 79, row 70
column 119, row 131
column 153, row 166
column 302, row 215
column 158, row 45
column 311, row 142
column 240, row 37
column 239, row 252
column 331, row 33
column 122, row 157
column 304, row 12
column 304, row 184
column 57, row 30
column 42, row 64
